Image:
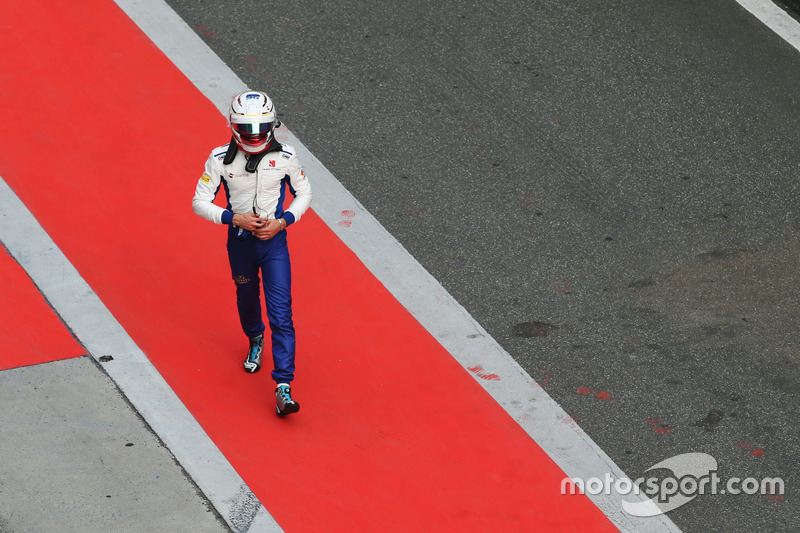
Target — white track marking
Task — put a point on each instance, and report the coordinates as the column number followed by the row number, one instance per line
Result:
column 775, row 19
column 541, row 417
column 100, row 333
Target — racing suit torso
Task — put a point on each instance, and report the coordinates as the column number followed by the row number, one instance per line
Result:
column 261, row 192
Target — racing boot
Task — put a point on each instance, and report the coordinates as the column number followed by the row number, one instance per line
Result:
column 253, row 362
column 284, row 405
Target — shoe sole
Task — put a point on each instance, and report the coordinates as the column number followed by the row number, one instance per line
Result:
column 248, row 370
column 291, row 408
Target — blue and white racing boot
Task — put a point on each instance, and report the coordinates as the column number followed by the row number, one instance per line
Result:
column 284, row 404
column 253, row 362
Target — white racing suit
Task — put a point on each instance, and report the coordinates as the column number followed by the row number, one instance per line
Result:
column 261, row 192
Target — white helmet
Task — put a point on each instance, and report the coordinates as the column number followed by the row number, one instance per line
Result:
column 252, row 119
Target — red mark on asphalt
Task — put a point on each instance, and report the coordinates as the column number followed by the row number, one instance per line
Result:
column 206, row 31
column 754, row 451
column 658, row 426
column 483, row 374
column 544, row 379
column 250, row 62
column 596, row 393
column 777, row 498
column 563, row 285
column 411, row 209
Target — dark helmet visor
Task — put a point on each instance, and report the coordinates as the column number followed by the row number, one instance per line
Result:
column 253, row 129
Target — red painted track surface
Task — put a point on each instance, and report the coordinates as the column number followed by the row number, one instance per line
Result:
column 30, row 331
column 103, row 140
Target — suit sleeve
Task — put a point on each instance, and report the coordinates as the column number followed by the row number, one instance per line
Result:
column 207, row 186
column 301, row 189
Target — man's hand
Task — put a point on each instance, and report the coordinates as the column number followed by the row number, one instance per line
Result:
column 268, row 230
column 249, row 221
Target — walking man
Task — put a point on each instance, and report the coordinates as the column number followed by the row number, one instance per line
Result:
column 255, row 170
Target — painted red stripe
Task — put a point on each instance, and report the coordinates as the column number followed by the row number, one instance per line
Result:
column 393, row 434
column 30, row 331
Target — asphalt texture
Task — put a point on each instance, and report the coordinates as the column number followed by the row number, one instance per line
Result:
column 790, row 6
column 610, row 188
column 75, row 457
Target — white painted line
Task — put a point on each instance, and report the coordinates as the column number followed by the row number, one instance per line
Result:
column 775, row 19
column 541, row 417
column 100, row 333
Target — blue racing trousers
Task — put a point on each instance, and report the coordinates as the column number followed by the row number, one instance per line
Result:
column 249, row 256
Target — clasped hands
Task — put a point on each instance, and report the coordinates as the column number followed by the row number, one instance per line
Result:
column 263, row 228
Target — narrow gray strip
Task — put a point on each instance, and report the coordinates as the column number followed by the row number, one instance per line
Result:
column 541, row 417
column 100, row 333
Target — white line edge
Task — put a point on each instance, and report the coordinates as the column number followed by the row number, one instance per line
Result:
column 775, row 19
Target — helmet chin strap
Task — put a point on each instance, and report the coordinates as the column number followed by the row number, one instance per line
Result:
column 230, row 155
column 254, row 159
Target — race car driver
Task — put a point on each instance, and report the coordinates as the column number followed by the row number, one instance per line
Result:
column 255, row 170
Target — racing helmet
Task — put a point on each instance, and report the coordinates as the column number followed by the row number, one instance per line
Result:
column 252, row 119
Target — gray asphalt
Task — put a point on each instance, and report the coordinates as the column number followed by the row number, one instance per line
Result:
column 76, row 458
column 610, row 189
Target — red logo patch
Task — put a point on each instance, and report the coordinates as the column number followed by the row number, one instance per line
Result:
column 272, row 163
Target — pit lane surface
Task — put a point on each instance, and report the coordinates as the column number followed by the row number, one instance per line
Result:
column 325, row 470
column 609, row 188
column 536, row 328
